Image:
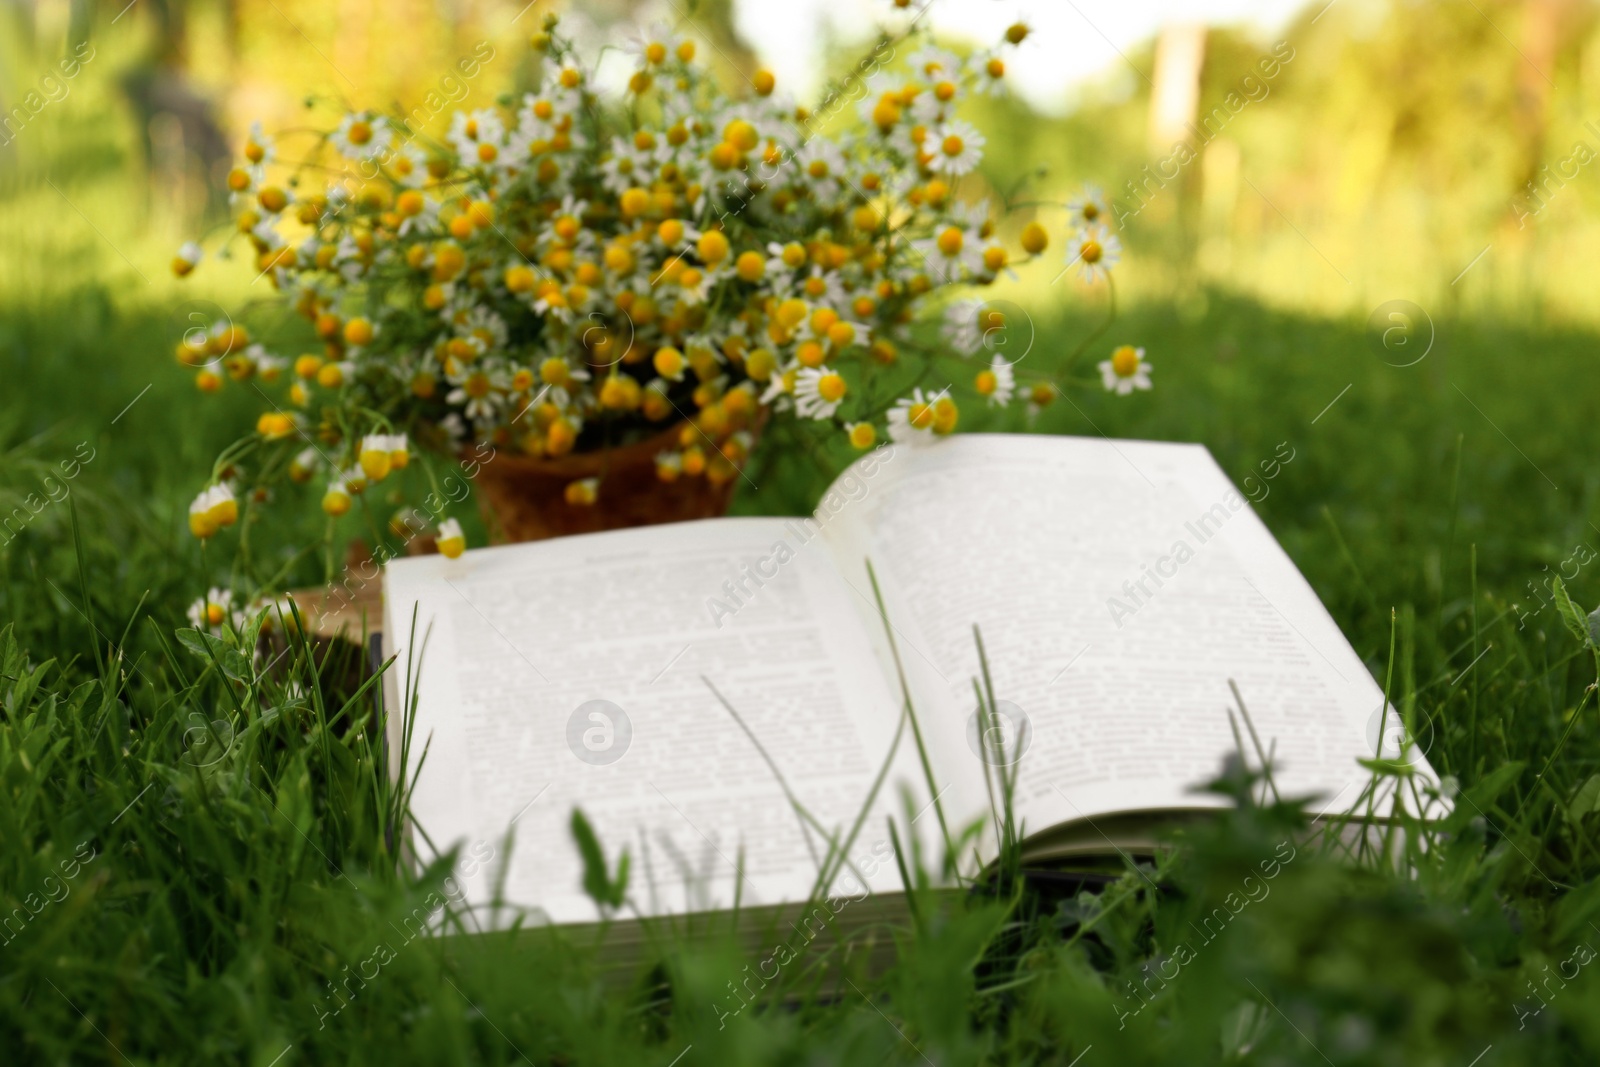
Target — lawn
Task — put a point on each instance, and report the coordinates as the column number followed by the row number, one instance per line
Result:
column 182, row 907
column 220, row 901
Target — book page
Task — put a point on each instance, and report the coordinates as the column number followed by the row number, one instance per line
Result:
column 515, row 646
column 1118, row 586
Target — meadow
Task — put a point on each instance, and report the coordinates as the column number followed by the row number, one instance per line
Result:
column 204, row 850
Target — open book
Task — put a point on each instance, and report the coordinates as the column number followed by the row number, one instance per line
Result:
column 1119, row 587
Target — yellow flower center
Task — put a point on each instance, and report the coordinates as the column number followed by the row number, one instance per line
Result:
column 655, row 52
column 741, row 135
column 791, row 313
column 713, row 247
column 831, row 388
column 1091, row 252
column 986, row 383
column 634, row 201
column 953, row 145
column 554, row 371
column 750, row 266
column 360, row 133
column 951, row 240
column 920, row 416
column 477, row 386
column 817, row 168
column 761, row 364
column 1125, row 361
column 669, row 362
column 1090, row 212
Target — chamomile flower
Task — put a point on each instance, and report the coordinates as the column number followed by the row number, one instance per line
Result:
column 419, row 214
column 1095, row 250
column 862, row 435
column 374, row 456
column 269, row 367
column 659, row 45
column 1125, row 371
column 821, row 164
column 988, row 72
column 583, row 492
column 626, row 167
column 957, row 148
column 214, row 509
column 997, row 383
column 478, row 136
column 478, row 391
column 336, row 498
column 303, row 465
column 259, row 149
column 780, row 388
column 187, row 259
column 362, row 136
column 933, row 64
column 951, row 253
column 818, row 392
column 1040, row 396
column 694, row 285
column 450, row 540
column 911, row 420
column 212, row 611
column 961, row 329
column 822, row 286
column 408, row 165
column 1088, row 208
column 565, row 228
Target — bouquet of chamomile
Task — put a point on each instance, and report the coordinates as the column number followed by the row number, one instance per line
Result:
column 575, row 270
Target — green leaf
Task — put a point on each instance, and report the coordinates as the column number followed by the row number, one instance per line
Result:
column 1390, row 767
column 1575, row 620
column 235, row 665
column 597, row 881
column 199, row 642
column 1586, row 800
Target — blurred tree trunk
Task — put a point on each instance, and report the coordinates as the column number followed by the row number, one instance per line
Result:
column 184, row 148
column 1543, row 22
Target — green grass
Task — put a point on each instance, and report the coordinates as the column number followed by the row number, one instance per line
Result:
column 219, row 905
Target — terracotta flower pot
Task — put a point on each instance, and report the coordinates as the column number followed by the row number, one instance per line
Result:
column 524, row 498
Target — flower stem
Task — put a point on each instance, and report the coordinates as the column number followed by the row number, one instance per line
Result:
column 1111, row 316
